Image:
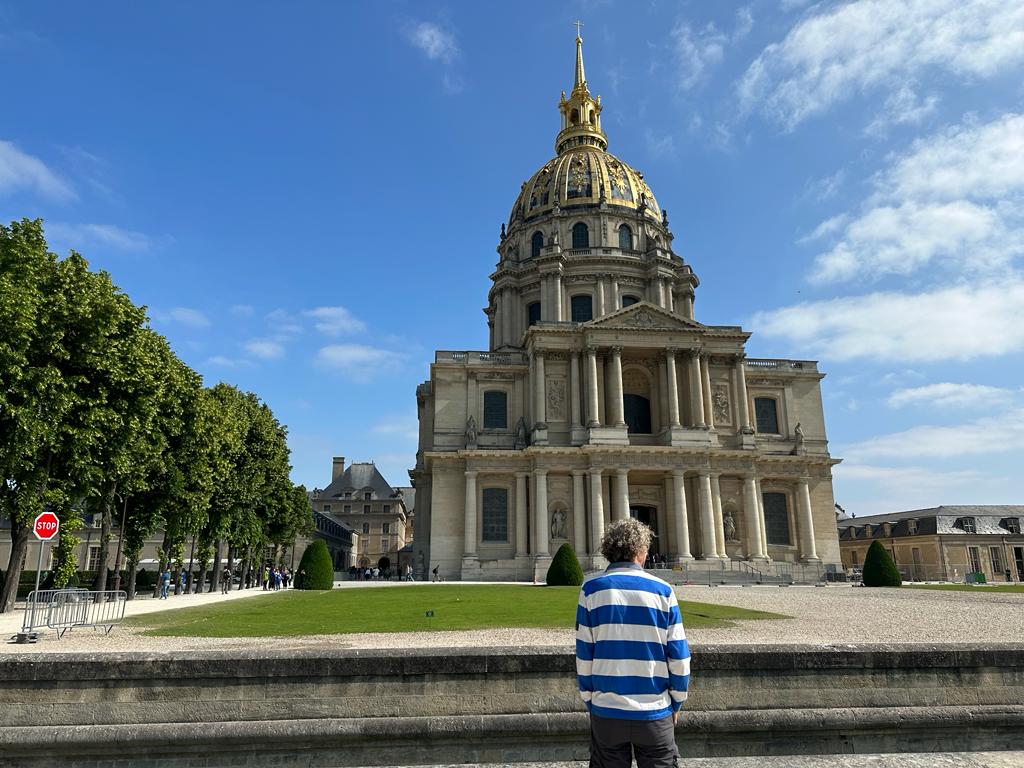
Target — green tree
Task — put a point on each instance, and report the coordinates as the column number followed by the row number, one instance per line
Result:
column 316, row 571
column 565, row 570
column 879, row 568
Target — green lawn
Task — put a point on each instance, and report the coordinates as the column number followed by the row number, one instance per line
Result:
column 399, row 609
column 970, row 587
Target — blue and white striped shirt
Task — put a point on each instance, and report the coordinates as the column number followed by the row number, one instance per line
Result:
column 632, row 658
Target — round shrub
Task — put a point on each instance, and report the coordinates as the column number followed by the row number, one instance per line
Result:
column 879, row 568
column 564, row 570
column 319, row 571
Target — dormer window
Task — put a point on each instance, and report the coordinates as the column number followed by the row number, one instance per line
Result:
column 348, row 494
column 367, row 496
column 1012, row 524
column 912, row 527
column 887, row 529
column 966, row 524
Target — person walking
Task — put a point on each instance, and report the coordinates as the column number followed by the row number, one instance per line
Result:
column 165, row 583
column 632, row 657
column 225, row 581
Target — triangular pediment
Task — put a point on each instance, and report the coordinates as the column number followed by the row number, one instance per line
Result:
column 645, row 316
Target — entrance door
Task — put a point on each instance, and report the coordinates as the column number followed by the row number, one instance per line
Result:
column 649, row 517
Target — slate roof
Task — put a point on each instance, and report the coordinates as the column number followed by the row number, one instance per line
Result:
column 408, row 496
column 358, row 478
column 941, row 519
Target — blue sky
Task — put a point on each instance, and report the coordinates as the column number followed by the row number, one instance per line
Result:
column 307, row 196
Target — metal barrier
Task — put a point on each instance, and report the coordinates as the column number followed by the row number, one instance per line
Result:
column 64, row 609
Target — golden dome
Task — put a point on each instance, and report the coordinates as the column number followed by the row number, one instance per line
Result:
column 584, row 176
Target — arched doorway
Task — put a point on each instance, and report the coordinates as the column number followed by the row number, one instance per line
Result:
column 649, row 517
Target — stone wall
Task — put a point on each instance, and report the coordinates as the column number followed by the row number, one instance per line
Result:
column 344, row 708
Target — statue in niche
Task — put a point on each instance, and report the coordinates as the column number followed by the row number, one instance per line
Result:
column 502, row 230
column 720, row 401
column 556, row 399
column 559, row 524
column 729, row 526
column 521, row 439
column 798, row 440
column 471, row 433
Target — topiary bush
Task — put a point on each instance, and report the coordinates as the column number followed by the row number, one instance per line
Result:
column 319, row 571
column 564, row 570
column 879, row 568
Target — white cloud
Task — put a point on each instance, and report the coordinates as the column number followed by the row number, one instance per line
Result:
column 837, row 52
column 190, row 317
column 437, row 43
column 265, row 349
column 284, row 323
column 825, row 188
column 902, row 108
column 358, row 360
column 885, row 488
column 660, row 146
column 335, row 321
column 956, row 197
column 947, row 394
column 242, row 310
column 695, row 52
column 227, row 362
column 744, row 23
column 987, row 435
column 955, row 323
column 21, row 171
column 404, row 427
column 83, row 237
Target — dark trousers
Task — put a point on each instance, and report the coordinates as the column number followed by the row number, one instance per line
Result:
column 613, row 742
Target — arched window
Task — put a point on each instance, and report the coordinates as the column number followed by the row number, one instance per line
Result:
column 536, row 243
column 582, row 308
column 625, row 237
column 580, row 235
column 533, row 313
column 495, row 410
column 766, row 412
column 494, row 515
column 638, row 413
column 574, row 117
column 776, row 518
column 629, row 301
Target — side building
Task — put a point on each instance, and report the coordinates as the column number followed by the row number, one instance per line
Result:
column 942, row 543
column 361, row 499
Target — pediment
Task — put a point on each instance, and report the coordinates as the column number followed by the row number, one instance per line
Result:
column 645, row 316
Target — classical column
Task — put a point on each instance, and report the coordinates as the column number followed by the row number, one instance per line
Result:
column 762, row 528
column 615, row 295
column 592, row 413
column 705, row 388
column 659, row 291
column 670, row 295
column 679, row 509
column 545, row 297
column 742, row 404
column 556, row 291
column 539, row 397
column 621, row 509
column 521, row 527
column 615, row 416
column 750, row 512
column 469, row 546
column 803, row 505
column 540, row 512
column 579, row 512
column 716, row 504
column 596, row 511
column 673, row 386
column 696, row 391
column 508, row 307
column 707, row 513
column 688, row 305
column 574, row 386
column 601, row 288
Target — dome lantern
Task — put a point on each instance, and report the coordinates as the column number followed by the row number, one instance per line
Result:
column 581, row 114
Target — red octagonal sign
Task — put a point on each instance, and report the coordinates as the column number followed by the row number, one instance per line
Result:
column 46, row 526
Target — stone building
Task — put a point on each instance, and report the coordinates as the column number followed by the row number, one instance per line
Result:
column 942, row 543
column 603, row 396
column 361, row 499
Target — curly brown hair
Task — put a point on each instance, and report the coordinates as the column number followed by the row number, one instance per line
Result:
column 623, row 540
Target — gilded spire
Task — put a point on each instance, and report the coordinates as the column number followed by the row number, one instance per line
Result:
column 581, row 114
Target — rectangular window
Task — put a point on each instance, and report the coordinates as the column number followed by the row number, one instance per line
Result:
column 347, row 509
column 854, row 557
column 766, row 410
column 387, row 509
column 582, row 309
column 974, row 559
column 366, row 528
column 386, row 528
column 366, row 509
column 533, row 313
column 996, row 556
column 776, row 518
column 364, row 546
column 367, row 496
column 348, row 494
column 94, row 558
column 1012, row 524
column 495, row 514
column 912, row 527
column 495, row 410
column 327, row 507
column 385, row 542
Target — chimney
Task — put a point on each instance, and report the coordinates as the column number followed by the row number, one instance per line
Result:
column 337, row 467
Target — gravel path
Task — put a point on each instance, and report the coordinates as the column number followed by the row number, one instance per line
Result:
column 829, row 615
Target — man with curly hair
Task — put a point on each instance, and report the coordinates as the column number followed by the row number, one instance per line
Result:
column 632, row 658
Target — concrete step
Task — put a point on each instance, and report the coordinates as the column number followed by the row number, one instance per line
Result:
column 888, row 760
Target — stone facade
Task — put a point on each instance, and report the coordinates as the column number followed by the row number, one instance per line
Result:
column 602, row 396
column 942, row 543
column 378, row 513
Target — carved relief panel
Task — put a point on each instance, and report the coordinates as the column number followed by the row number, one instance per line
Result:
column 721, row 402
column 557, row 394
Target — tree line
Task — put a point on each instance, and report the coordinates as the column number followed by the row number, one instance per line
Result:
column 99, row 416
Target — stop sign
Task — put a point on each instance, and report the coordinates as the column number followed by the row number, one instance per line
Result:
column 46, row 526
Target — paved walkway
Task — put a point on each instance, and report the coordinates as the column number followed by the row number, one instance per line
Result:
column 905, row 760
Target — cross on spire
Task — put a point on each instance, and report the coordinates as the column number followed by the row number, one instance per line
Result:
column 578, row 24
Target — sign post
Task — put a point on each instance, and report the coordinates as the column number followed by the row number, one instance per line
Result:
column 45, row 528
